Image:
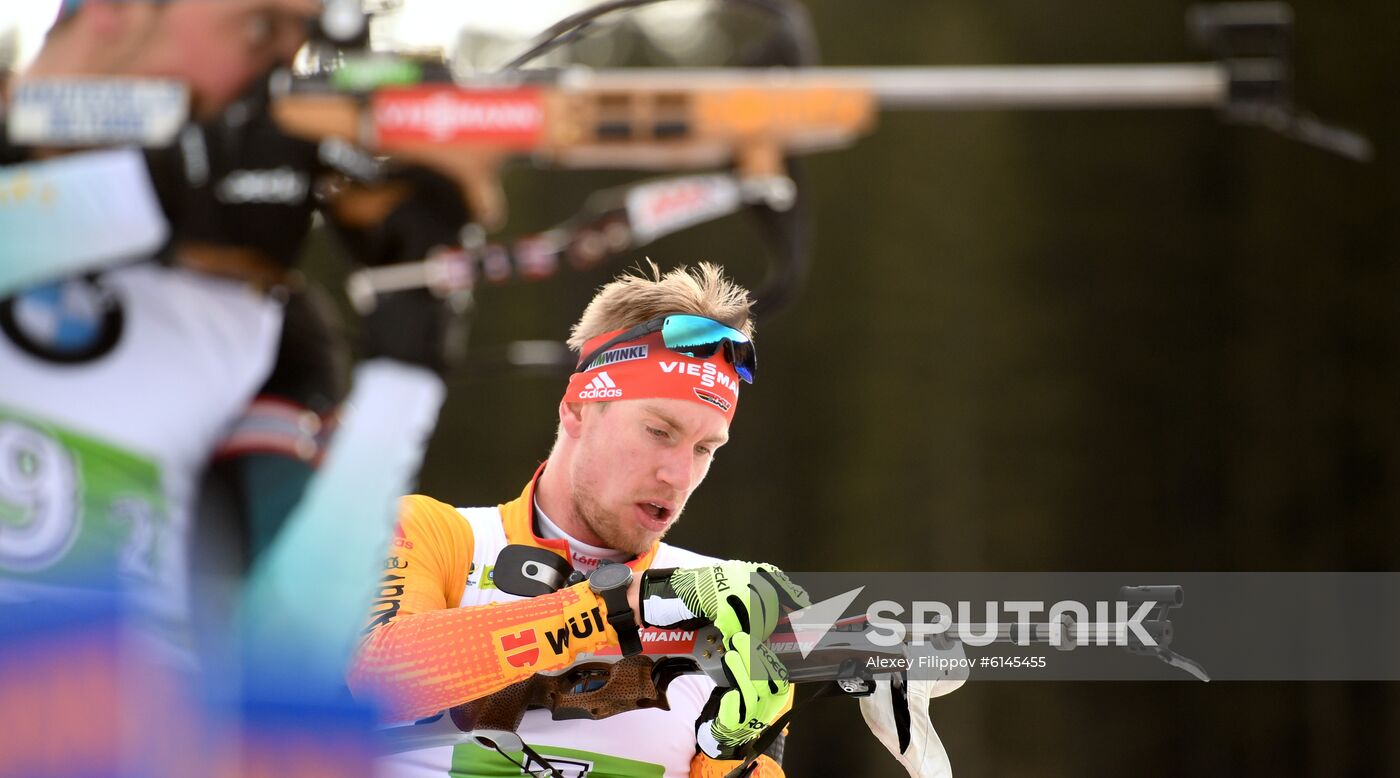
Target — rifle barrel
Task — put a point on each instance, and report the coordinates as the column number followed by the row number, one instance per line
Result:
column 1166, row 85
column 1036, row 632
column 1046, row 86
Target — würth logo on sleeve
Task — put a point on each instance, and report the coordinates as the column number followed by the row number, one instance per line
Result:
column 580, row 626
column 521, row 648
column 600, row 388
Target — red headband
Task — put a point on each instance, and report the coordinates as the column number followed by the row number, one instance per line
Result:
column 645, row 368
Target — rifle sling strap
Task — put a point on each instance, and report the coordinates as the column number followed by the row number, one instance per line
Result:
column 531, row 756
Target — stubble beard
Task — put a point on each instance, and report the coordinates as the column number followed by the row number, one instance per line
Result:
column 609, row 528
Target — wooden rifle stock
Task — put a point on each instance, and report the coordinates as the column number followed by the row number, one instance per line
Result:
column 593, row 690
column 618, row 119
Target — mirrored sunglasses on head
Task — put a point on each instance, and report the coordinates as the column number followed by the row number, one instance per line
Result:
column 695, row 336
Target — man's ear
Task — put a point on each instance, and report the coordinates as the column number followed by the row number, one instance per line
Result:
column 571, row 418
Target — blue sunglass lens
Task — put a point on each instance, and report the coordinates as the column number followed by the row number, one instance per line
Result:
column 701, row 338
column 741, row 356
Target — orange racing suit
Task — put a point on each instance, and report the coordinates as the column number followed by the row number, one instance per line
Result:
column 440, row 634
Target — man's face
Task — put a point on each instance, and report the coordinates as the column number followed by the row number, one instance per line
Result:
column 219, row 46
column 636, row 463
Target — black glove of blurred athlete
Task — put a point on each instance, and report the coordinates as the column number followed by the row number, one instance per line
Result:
column 414, row 326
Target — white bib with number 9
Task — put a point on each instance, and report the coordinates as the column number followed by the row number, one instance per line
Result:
column 38, row 499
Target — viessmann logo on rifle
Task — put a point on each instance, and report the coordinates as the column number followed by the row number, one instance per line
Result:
column 512, row 117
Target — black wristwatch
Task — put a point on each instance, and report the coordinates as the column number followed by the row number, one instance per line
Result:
column 610, row 581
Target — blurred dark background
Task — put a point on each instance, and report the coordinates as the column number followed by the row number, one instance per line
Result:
column 1127, row 340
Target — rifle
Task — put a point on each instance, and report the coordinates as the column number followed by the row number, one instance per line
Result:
column 846, row 655
column 749, row 120
column 844, row 661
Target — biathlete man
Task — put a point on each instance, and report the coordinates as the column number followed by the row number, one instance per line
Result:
column 651, row 401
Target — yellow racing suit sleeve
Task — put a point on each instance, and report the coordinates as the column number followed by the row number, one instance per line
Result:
column 423, row 653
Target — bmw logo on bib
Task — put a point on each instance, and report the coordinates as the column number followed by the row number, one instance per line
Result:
column 71, row 321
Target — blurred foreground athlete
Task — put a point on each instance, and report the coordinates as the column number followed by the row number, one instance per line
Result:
column 128, row 362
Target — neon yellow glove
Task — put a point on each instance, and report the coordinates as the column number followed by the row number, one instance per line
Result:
column 744, row 600
column 734, row 596
column 758, row 693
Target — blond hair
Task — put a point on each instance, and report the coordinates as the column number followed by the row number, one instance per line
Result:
column 632, row 299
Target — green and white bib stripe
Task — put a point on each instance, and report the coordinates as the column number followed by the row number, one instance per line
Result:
column 74, row 510
column 99, row 459
column 79, row 515
column 470, row 760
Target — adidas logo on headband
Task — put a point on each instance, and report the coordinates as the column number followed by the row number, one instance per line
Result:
column 601, row 387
